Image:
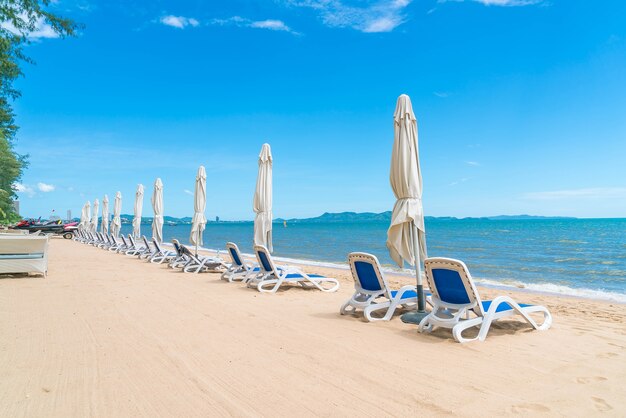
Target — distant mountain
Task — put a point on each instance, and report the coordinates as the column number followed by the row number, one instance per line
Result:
column 342, row 217
column 347, row 217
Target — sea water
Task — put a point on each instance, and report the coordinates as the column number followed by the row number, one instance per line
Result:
column 580, row 257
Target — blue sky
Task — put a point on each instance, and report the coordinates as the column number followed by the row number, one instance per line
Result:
column 520, row 104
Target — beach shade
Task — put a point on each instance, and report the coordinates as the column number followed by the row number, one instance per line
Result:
column 94, row 217
column 105, row 215
column 157, row 207
column 263, row 200
column 83, row 218
column 87, row 226
column 116, row 224
column 138, row 210
column 198, row 222
column 406, row 237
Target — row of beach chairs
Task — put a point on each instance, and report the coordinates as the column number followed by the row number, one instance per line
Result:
column 453, row 297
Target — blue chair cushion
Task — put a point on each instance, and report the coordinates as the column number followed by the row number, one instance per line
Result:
column 235, row 257
column 408, row 294
column 367, row 276
column 450, row 286
column 502, row 307
column 297, row 276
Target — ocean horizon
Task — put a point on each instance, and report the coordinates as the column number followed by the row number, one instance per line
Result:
column 569, row 256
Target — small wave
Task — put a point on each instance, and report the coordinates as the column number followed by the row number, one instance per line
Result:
column 555, row 289
column 571, row 241
column 568, row 260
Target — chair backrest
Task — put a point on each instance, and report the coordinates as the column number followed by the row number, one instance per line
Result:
column 124, row 241
column 112, row 239
column 178, row 247
column 450, row 281
column 157, row 245
column 145, row 242
column 367, row 273
column 234, row 253
column 131, row 240
column 265, row 259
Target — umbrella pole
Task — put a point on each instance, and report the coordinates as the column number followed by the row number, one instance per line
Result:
column 415, row 317
column 418, row 271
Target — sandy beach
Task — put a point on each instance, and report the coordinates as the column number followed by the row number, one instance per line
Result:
column 107, row 335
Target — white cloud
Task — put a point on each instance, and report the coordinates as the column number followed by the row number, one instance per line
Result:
column 589, row 193
column 189, row 192
column 43, row 187
column 454, row 183
column 473, row 163
column 442, row 94
column 270, row 24
column 40, row 29
column 505, row 3
column 24, row 189
column 372, row 17
column 179, row 22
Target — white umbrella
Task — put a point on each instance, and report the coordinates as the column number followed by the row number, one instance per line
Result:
column 87, row 226
column 105, row 215
column 263, row 200
column 157, row 206
column 83, row 218
column 94, row 217
column 138, row 209
column 406, row 237
column 116, row 224
column 199, row 204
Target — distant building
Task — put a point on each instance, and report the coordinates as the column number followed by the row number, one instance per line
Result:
column 16, row 206
column 217, row 219
column 69, row 215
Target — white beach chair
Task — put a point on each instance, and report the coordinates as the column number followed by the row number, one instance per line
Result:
column 160, row 254
column 133, row 248
column 273, row 277
column 147, row 251
column 198, row 263
column 454, row 296
column 238, row 270
column 371, row 291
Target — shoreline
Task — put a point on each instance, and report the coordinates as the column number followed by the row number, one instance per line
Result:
column 593, row 295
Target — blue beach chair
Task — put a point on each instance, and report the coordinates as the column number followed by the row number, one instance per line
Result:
column 273, row 277
column 238, row 270
column 454, row 296
column 371, row 291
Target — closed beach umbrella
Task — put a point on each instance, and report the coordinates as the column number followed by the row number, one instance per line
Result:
column 138, row 210
column 87, row 216
column 83, row 218
column 105, row 215
column 157, row 206
column 406, row 237
column 116, row 224
column 94, row 217
column 199, row 204
column 263, row 200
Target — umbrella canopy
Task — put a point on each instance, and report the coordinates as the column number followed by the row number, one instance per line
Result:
column 406, row 237
column 94, row 217
column 263, row 200
column 138, row 210
column 105, row 215
column 157, row 206
column 116, row 224
column 83, row 218
column 87, row 225
column 198, row 222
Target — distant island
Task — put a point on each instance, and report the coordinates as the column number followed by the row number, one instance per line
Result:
column 344, row 217
column 386, row 217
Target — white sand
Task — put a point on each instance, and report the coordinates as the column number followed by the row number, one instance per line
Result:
column 107, row 335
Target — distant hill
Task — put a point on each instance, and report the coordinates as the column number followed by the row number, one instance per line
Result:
column 344, row 217
column 347, row 217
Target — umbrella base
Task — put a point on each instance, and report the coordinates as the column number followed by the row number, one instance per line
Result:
column 413, row 317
